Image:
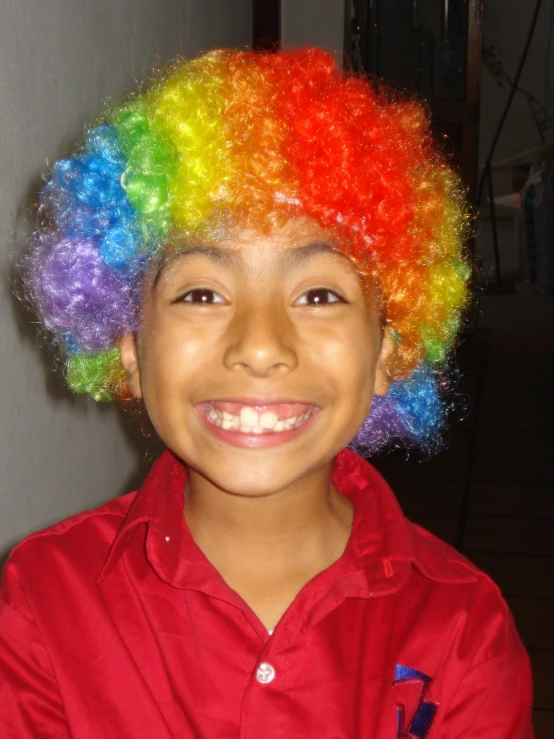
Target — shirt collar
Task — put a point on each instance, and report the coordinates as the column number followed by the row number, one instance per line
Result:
column 383, row 543
column 383, row 537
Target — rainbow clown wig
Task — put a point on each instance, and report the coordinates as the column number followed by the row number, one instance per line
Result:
column 255, row 139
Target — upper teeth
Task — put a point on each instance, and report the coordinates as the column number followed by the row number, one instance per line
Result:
column 250, row 421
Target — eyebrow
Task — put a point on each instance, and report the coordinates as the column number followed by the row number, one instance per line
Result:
column 298, row 254
column 212, row 252
column 231, row 258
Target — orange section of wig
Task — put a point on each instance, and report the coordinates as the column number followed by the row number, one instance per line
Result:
column 307, row 139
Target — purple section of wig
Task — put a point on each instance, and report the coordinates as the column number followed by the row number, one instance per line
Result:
column 78, row 294
column 377, row 428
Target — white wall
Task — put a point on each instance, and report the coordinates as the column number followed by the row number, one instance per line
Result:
column 59, row 59
column 316, row 22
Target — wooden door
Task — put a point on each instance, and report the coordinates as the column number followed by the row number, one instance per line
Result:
column 266, row 20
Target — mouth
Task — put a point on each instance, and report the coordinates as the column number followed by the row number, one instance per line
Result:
column 258, row 423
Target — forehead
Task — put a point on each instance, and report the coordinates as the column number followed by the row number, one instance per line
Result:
column 297, row 242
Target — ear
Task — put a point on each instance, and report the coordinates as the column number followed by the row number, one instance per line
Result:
column 382, row 378
column 129, row 359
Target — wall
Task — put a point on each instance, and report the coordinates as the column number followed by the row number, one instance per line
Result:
column 317, row 22
column 58, row 61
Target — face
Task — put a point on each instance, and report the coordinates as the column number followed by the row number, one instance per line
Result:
column 257, row 357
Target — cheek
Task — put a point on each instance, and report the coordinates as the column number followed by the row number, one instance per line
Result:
column 168, row 344
column 164, row 357
column 359, row 370
column 348, row 356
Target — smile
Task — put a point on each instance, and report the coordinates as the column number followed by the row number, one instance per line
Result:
column 257, row 424
column 267, row 419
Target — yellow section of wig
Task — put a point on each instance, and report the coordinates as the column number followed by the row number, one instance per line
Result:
column 186, row 109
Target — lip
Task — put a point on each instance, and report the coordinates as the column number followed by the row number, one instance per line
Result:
column 259, row 400
column 256, row 441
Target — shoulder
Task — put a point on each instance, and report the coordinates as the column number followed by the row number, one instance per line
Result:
column 444, row 585
column 77, row 546
column 96, row 525
column 473, row 599
column 439, row 561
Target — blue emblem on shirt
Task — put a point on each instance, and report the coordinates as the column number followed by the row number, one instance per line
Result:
column 426, row 710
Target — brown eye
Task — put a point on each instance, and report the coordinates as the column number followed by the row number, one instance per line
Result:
column 319, row 296
column 201, row 296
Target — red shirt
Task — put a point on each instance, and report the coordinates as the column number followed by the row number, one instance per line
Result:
column 113, row 624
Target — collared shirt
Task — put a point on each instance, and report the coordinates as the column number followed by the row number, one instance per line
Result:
column 113, row 624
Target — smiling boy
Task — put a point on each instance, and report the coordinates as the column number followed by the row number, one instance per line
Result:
column 267, row 253
column 259, row 358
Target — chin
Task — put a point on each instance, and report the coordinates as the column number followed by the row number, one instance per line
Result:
column 256, row 481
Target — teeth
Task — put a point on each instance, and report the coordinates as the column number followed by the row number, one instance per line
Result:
column 268, row 420
column 248, row 417
column 289, row 422
column 250, row 422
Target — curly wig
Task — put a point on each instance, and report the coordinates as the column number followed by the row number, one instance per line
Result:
column 257, row 138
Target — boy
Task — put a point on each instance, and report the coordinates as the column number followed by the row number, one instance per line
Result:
column 263, row 250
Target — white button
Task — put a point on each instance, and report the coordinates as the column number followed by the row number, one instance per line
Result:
column 265, row 673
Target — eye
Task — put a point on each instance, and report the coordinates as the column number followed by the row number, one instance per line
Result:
column 319, row 296
column 201, row 296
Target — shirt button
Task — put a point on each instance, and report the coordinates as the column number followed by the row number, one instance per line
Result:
column 265, row 673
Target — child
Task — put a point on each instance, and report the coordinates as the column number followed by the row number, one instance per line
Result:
column 262, row 249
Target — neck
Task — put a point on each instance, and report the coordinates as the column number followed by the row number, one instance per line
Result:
column 308, row 520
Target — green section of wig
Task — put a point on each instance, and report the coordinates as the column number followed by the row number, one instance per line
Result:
column 99, row 374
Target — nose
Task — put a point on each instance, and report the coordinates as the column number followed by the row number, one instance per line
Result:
column 261, row 339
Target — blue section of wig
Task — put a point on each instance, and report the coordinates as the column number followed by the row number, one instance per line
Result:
column 88, row 203
column 411, row 413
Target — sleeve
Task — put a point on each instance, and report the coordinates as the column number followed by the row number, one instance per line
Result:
column 494, row 700
column 30, row 702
